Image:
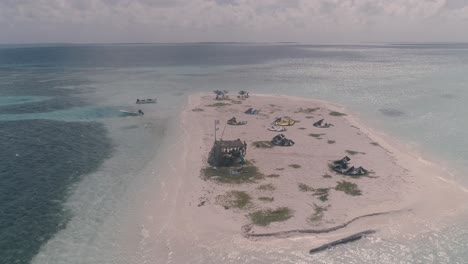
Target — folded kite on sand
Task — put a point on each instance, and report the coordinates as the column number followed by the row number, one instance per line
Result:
column 321, row 125
column 276, row 128
column 284, row 122
column 251, row 111
column 281, row 140
column 234, row 122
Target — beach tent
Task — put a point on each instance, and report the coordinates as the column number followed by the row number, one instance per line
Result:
column 225, row 153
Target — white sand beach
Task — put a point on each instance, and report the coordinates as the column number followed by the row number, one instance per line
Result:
column 201, row 211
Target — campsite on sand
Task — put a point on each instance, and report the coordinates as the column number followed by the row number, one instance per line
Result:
column 285, row 166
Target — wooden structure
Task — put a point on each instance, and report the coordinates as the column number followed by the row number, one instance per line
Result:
column 226, row 153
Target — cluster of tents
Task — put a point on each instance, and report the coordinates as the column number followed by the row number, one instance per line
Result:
column 320, row 124
column 281, row 140
column 342, row 166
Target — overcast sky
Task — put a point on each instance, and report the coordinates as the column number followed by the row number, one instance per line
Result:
column 315, row 21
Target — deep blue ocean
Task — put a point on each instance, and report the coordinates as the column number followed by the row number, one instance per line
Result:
column 69, row 160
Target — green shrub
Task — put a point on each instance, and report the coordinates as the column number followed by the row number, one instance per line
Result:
column 267, row 216
column 234, row 199
column 348, row 188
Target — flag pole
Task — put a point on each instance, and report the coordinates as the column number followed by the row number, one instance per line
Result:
column 222, row 134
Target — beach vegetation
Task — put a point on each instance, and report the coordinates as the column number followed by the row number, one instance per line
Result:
column 198, row 110
column 294, row 166
column 318, row 213
column 307, row 110
column 331, row 141
column 322, row 193
column 326, row 176
column 237, row 175
column 317, row 136
column 348, row 188
column 220, row 104
column 274, row 175
column 234, row 199
column 268, row 216
column 263, row 144
column 353, row 152
column 266, row 199
column 304, row 187
column 266, row 187
column 279, row 169
column 375, row 143
column 302, row 128
column 335, row 113
column 236, row 102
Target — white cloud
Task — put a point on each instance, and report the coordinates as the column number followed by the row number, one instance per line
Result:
column 232, row 20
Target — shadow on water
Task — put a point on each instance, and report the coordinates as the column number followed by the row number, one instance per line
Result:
column 40, row 160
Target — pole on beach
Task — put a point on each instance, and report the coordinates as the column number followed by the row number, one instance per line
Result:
column 222, row 134
column 216, row 123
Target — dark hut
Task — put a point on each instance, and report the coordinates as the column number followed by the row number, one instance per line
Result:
column 227, row 153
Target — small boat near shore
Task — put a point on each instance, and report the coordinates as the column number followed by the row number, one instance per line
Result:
column 131, row 113
column 147, row 101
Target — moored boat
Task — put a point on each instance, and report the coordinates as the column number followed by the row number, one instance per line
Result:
column 147, row 101
column 132, row 113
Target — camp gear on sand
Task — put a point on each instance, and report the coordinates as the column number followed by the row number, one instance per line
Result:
column 341, row 166
column 321, row 125
column 234, row 122
column 284, row 122
column 251, row 111
column 276, row 128
column 281, row 140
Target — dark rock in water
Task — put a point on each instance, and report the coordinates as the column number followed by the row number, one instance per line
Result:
column 391, row 112
column 345, row 240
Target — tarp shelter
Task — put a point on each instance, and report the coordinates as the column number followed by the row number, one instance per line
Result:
column 225, row 153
